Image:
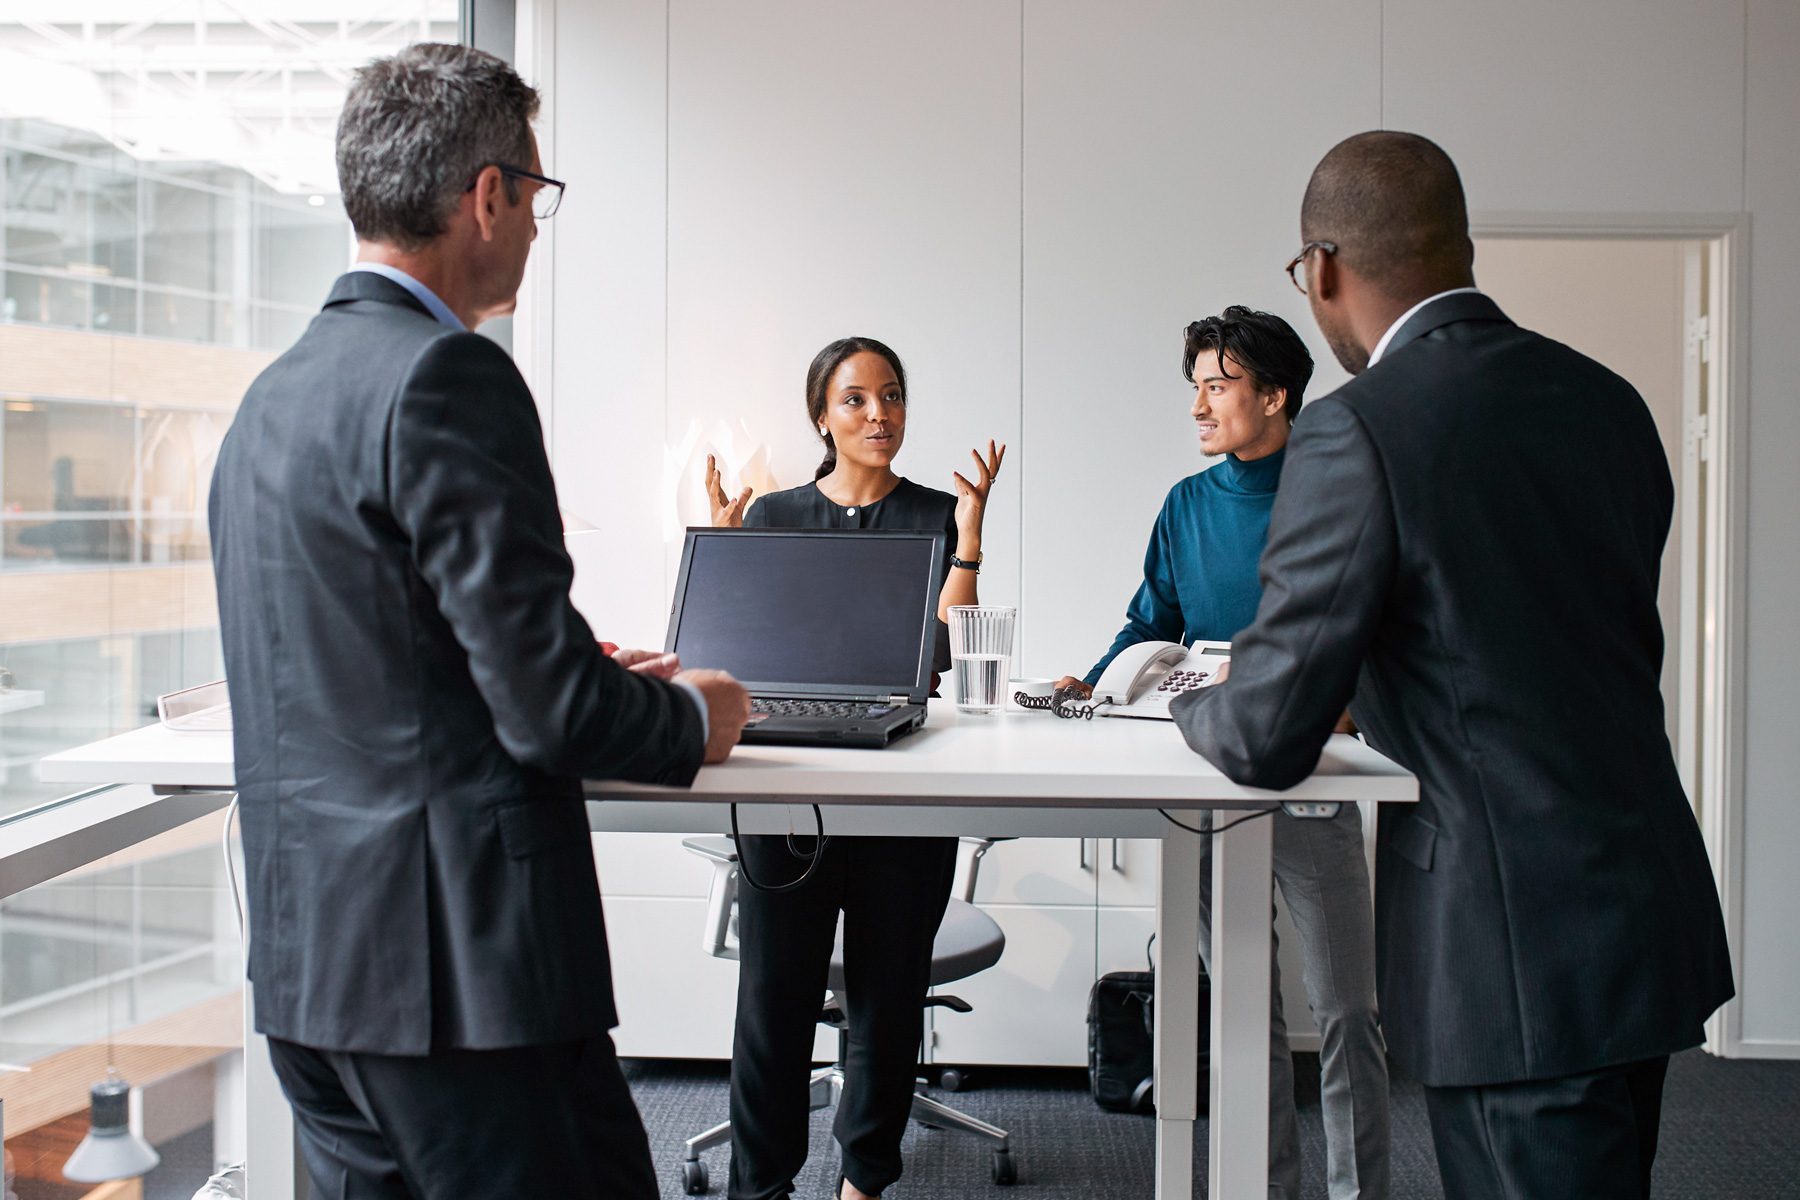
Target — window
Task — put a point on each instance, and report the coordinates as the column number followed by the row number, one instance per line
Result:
column 130, row 963
column 168, row 224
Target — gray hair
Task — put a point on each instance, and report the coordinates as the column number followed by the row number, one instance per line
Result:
column 416, row 130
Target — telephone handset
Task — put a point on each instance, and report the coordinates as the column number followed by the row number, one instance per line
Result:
column 1143, row 678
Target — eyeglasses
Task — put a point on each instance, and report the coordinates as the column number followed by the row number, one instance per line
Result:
column 544, row 202
column 1296, row 268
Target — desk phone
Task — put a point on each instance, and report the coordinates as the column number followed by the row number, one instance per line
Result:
column 1142, row 680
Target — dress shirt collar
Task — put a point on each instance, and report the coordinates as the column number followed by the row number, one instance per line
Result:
column 420, row 292
column 1382, row 345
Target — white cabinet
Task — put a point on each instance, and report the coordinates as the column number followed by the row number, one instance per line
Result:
column 650, row 864
column 1123, row 939
column 1126, row 871
column 1072, row 910
column 675, row 1000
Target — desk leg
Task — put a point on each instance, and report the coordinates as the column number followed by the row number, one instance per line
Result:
column 273, row 1168
column 1238, row 1142
column 1177, row 1013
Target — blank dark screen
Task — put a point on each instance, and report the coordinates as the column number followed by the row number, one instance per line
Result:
column 805, row 610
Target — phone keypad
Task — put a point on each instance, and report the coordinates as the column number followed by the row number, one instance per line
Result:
column 1183, row 681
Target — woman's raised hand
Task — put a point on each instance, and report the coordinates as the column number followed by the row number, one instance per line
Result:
column 971, row 498
column 726, row 513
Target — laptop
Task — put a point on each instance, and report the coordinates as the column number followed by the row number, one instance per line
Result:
column 832, row 631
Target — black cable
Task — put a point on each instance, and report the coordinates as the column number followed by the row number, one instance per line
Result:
column 813, row 859
column 1066, row 703
column 1263, row 812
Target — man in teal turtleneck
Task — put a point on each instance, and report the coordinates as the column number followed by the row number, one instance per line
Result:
column 1200, row 580
column 1250, row 370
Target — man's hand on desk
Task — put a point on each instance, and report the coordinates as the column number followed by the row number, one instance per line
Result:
column 649, row 662
column 727, row 710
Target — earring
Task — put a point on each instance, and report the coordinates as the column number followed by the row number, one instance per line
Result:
column 822, row 432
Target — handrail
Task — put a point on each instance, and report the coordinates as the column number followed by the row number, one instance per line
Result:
column 40, row 845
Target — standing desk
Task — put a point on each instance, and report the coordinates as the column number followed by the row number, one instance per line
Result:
column 1014, row 773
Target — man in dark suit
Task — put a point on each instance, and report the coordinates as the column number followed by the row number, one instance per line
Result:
column 1465, row 550
column 414, row 699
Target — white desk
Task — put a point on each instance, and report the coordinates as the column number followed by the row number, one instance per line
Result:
column 1017, row 773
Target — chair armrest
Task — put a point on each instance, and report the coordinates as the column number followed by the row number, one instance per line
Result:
column 715, row 849
column 716, row 936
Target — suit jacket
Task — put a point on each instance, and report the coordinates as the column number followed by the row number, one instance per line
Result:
column 1465, row 548
column 414, row 699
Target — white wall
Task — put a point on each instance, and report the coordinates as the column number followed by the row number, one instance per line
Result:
column 1770, row 954
column 1154, row 195
column 1031, row 199
column 855, row 173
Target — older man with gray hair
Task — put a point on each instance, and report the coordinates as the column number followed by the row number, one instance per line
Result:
column 415, row 701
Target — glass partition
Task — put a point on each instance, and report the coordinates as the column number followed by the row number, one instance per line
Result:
column 168, row 224
column 128, row 964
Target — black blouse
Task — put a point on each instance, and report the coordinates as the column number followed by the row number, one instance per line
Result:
column 908, row 506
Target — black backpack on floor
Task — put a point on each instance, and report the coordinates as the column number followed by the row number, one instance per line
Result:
column 1120, row 1040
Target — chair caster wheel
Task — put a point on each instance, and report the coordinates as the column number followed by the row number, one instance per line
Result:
column 952, row 1080
column 693, row 1177
column 1003, row 1172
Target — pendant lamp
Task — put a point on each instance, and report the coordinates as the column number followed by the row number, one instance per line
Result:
column 110, row 1150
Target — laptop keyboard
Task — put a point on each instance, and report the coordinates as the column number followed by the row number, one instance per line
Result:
column 853, row 710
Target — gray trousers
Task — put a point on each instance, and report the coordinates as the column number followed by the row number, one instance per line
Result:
column 1324, row 879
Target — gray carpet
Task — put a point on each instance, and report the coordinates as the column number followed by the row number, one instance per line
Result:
column 1729, row 1130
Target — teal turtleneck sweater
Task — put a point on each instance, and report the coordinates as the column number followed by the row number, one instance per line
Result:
column 1200, row 581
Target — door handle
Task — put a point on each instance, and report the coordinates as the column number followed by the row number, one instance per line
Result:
column 1115, row 854
column 1082, row 843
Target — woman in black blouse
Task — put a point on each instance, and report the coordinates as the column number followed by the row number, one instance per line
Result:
column 892, row 890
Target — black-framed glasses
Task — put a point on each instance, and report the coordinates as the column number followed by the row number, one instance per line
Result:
column 1296, row 268
column 544, row 202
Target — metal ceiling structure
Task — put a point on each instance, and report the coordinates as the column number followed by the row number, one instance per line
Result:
column 254, row 84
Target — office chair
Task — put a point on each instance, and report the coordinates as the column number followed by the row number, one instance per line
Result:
column 967, row 941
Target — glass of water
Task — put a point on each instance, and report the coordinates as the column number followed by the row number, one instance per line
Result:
column 981, row 642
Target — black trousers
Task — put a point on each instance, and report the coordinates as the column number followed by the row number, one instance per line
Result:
column 893, row 892
column 546, row 1121
column 1581, row 1137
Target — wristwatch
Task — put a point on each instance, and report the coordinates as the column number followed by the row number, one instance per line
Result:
column 966, row 564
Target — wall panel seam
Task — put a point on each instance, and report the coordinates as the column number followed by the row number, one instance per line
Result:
column 1025, row 630
column 662, row 564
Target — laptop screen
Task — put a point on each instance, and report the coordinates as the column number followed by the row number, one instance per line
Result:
column 810, row 612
